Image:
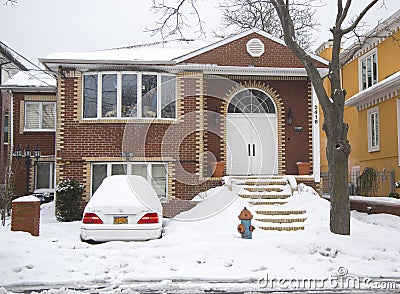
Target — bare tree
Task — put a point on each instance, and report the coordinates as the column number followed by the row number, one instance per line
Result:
column 11, row 2
column 7, row 188
column 246, row 14
column 332, row 104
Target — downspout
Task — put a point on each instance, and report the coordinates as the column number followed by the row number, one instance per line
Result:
column 11, row 127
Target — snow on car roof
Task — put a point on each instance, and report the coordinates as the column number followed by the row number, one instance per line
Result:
column 125, row 190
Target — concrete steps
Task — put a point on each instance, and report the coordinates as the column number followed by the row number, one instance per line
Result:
column 268, row 197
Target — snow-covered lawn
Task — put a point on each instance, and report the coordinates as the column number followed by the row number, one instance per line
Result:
column 206, row 249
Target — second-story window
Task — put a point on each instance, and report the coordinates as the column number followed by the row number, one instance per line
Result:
column 40, row 116
column 5, row 129
column 369, row 71
column 129, row 95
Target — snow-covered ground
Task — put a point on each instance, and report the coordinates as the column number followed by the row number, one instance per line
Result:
column 207, row 249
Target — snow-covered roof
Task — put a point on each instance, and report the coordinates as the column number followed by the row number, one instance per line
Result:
column 375, row 36
column 33, row 80
column 154, row 53
column 10, row 60
column 160, row 53
column 386, row 89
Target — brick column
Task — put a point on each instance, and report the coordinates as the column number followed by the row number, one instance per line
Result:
column 26, row 215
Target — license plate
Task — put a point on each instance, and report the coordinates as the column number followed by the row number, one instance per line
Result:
column 118, row 220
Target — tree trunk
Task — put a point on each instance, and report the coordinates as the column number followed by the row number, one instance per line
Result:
column 337, row 151
column 339, row 191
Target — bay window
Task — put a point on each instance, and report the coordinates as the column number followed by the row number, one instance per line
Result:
column 129, row 95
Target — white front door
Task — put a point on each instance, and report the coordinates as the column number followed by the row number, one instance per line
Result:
column 252, row 144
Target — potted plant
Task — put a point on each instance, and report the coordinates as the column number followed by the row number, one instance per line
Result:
column 217, row 168
column 303, row 167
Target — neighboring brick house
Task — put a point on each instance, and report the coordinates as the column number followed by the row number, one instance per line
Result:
column 167, row 113
column 32, row 119
column 10, row 64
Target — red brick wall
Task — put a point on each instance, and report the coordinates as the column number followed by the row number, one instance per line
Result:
column 46, row 141
column 235, row 54
column 26, row 217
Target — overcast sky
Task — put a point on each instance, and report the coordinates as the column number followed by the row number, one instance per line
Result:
column 36, row 28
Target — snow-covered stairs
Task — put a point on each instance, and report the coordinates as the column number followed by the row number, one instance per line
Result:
column 268, row 198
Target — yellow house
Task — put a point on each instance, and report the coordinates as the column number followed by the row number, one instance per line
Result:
column 372, row 80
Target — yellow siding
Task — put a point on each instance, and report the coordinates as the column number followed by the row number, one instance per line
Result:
column 387, row 157
column 388, row 56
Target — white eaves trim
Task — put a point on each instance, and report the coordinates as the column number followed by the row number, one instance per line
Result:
column 384, row 90
column 240, row 70
column 239, row 36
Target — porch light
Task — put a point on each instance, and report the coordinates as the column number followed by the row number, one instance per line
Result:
column 18, row 152
column 37, row 152
column 28, row 161
column 28, row 152
column 289, row 117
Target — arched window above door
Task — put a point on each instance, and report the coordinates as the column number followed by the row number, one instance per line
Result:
column 251, row 101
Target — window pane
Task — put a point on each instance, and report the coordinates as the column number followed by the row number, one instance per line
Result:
column 109, row 95
column 32, row 115
column 129, row 95
column 364, row 74
column 99, row 173
column 6, row 128
column 149, row 95
column 168, row 96
column 376, row 129
column 48, row 115
column 159, row 179
column 139, row 170
column 43, row 174
column 118, row 169
column 374, row 69
column 89, row 96
column 369, row 71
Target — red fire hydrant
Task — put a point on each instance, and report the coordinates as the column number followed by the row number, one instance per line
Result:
column 245, row 228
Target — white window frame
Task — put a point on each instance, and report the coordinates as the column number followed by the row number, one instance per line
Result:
column 119, row 95
column 360, row 74
column 129, row 172
column 373, row 142
column 6, row 121
column 40, row 129
column 398, row 130
column 51, row 174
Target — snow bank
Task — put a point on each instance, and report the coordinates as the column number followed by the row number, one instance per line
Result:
column 209, row 248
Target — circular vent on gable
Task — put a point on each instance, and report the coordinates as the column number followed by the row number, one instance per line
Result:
column 255, row 47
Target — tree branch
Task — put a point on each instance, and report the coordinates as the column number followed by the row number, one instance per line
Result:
column 172, row 19
column 359, row 17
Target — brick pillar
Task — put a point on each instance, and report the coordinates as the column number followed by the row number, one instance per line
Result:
column 26, row 215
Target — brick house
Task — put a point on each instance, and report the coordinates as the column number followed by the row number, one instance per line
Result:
column 168, row 111
column 31, row 97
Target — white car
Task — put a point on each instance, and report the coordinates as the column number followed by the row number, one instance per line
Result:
column 123, row 208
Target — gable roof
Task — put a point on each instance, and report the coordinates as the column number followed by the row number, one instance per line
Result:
column 237, row 37
column 161, row 53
